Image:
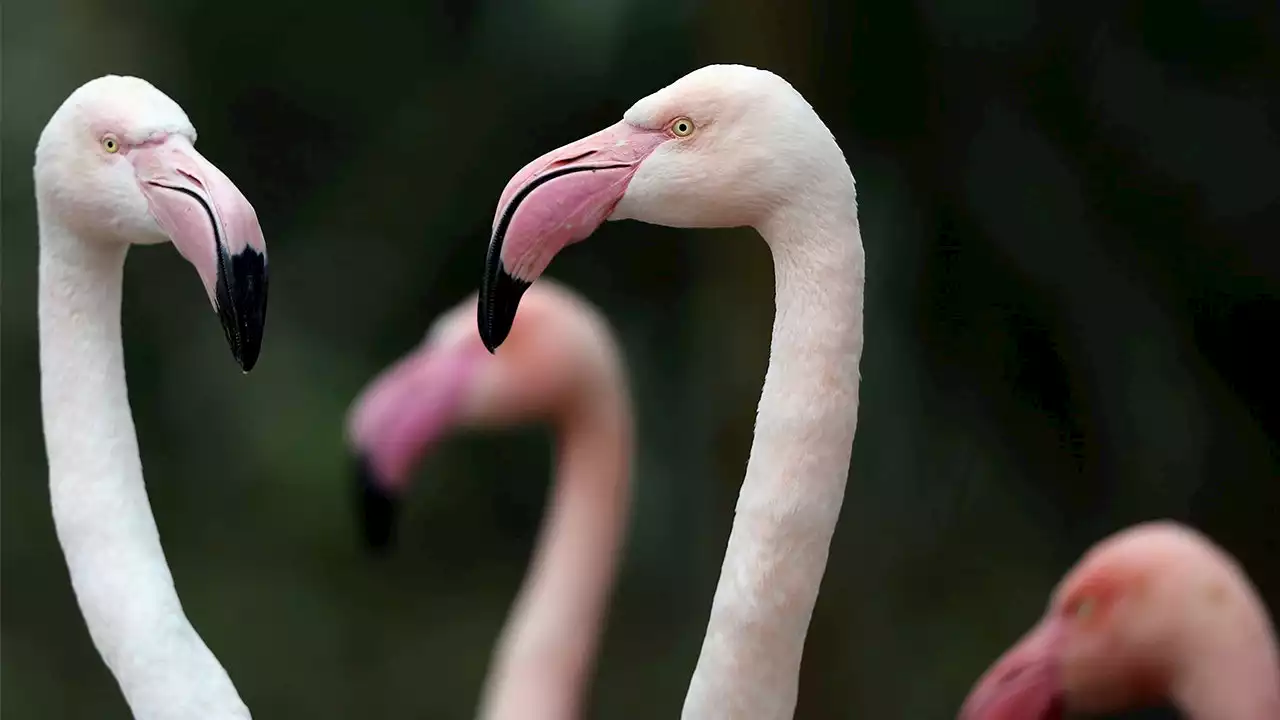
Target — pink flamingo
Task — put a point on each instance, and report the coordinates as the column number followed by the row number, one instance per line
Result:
column 563, row 368
column 116, row 166
column 728, row 146
column 1155, row 612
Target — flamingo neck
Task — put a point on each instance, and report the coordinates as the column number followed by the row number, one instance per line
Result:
column 1234, row 674
column 791, row 497
column 100, row 509
column 544, row 658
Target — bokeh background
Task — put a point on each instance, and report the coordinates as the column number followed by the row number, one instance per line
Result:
column 1070, row 213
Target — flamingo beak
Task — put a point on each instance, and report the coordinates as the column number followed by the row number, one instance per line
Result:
column 396, row 420
column 1025, row 683
column 378, row 506
column 554, row 201
column 215, row 228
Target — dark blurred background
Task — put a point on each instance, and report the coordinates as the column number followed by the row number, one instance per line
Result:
column 1070, row 213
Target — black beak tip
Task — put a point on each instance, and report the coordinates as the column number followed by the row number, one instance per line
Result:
column 486, row 333
column 241, row 296
column 500, row 295
column 247, row 355
column 377, row 508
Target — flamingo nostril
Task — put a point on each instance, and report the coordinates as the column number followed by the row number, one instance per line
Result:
column 1011, row 674
column 573, row 158
column 194, row 180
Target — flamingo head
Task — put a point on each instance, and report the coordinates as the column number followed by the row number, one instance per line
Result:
column 117, row 164
column 724, row 146
column 562, row 359
column 1123, row 630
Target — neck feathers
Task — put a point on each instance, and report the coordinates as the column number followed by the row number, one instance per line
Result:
column 100, row 508
column 543, row 662
column 1235, row 674
column 794, row 486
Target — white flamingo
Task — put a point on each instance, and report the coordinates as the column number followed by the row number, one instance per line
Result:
column 116, row 166
column 562, row 367
column 729, row 146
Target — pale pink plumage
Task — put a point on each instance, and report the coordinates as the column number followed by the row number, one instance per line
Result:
column 563, row 369
column 116, row 166
column 730, row 146
column 1154, row 613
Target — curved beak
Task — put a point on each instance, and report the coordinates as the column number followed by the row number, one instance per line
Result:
column 1025, row 683
column 554, row 201
column 396, row 419
column 215, row 228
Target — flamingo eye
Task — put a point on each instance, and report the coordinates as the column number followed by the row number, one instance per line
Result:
column 682, row 127
column 1083, row 608
column 110, row 143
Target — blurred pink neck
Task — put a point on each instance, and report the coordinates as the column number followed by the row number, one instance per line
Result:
column 546, row 651
column 1235, row 675
column 794, row 486
column 100, row 508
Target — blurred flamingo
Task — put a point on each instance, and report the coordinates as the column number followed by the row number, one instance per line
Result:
column 563, row 369
column 116, row 166
column 730, row 146
column 1151, row 614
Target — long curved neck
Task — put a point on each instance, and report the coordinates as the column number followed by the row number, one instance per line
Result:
column 791, row 497
column 1235, row 674
column 544, row 658
column 100, row 508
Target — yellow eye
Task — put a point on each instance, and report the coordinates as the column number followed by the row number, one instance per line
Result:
column 110, row 144
column 1083, row 608
column 682, row 127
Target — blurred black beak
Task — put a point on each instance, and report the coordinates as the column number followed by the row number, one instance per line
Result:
column 376, row 507
column 242, row 302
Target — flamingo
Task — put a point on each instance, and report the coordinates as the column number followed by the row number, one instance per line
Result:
column 730, row 146
column 116, row 166
column 1156, row 612
column 563, row 368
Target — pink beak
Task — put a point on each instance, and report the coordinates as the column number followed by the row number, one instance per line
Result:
column 397, row 418
column 554, row 201
column 1025, row 683
column 215, row 228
